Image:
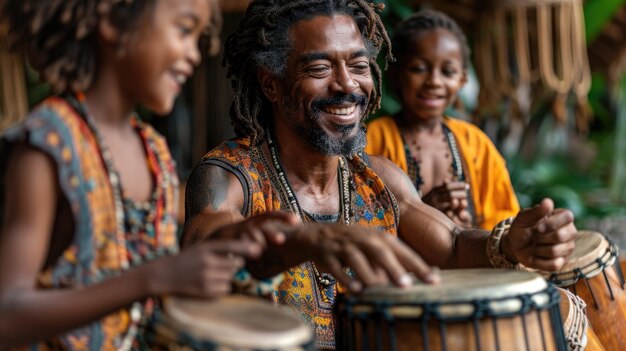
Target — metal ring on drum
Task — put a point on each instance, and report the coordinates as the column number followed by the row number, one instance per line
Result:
column 472, row 309
column 229, row 323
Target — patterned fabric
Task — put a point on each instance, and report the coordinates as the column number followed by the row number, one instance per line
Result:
column 373, row 206
column 493, row 196
column 100, row 249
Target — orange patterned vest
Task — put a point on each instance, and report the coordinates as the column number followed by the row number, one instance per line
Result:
column 100, row 248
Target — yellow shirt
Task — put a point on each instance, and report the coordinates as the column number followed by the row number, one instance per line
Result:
column 491, row 190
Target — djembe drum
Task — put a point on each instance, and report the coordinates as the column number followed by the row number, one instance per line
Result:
column 473, row 309
column 594, row 273
column 228, row 324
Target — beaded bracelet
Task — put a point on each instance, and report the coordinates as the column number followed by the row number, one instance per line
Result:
column 245, row 283
column 494, row 253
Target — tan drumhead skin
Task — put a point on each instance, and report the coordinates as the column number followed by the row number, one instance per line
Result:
column 462, row 285
column 239, row 322
column 590, row 245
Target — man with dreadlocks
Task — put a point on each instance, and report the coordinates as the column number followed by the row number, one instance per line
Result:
column 304, row 75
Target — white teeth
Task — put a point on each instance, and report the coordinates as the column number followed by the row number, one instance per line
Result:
column 340, row 111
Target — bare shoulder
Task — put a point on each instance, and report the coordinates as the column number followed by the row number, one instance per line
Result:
column 394, row 178
column 212, row 188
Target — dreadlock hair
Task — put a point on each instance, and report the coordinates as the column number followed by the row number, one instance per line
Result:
column 425, row 21
column 262, row 40
column 59, row 36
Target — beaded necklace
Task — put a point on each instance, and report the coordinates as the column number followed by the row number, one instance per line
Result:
column 135, row 312
column 456, row 167
column 345, row 200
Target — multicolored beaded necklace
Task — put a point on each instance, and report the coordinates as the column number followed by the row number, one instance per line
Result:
column 345, row 200
column 155, row 206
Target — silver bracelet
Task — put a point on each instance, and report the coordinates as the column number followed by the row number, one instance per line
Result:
column 494, row 253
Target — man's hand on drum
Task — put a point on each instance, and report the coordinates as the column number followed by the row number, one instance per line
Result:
column 541, row 237
column 375, row 257
column 232, row 225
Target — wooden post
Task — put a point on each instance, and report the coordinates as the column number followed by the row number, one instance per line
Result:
column 13, row 98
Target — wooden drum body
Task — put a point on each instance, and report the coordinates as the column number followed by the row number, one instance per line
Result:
column 228, row 324
column 594, row 274
column 473, row 309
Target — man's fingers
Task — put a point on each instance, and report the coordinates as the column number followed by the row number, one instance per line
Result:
column 412, row 262
column 245, row 248
column 556, row 220
column 553, row 251
column 562, row 235
column 530, row 216
column 336, row 269
column 364, row 271
column 545, row 264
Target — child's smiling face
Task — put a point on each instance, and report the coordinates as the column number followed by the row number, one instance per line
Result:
column 428, row 76
column 163, row 51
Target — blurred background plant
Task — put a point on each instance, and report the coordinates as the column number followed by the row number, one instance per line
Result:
column 585, row 172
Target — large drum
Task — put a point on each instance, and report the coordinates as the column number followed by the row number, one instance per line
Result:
column 594, row 274
column 474, row 309
column 230, row 323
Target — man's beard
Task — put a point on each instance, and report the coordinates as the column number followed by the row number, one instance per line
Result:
column 318, row 138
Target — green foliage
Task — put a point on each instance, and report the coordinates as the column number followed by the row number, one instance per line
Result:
column 597, row 14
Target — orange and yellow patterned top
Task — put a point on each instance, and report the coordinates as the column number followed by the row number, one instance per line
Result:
column 100, row 249
column 492, row 194
column 373, row 205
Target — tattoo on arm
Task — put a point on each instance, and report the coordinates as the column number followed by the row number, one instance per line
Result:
column 207, row 187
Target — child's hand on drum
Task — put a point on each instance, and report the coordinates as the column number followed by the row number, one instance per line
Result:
column 204, row 270
column 541, row 237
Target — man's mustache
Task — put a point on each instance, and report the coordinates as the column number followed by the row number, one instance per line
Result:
column 360, row 100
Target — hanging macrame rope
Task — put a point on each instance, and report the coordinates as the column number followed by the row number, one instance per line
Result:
column 555, row 57
column 548, row 63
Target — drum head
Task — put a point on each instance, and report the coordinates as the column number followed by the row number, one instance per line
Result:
column 462, row 285
column 238, row 322
column 589, row 246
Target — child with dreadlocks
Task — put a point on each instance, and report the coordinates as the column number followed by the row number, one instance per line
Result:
column 451, row 162
column 89, row 191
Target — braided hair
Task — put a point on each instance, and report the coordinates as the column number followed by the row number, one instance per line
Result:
column 262, row 40
column 59, row 36
column 425, row 21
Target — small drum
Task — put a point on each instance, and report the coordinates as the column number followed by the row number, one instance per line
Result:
column 473, row 309
column 594, row 274
column 230, row 323
column 578, row 333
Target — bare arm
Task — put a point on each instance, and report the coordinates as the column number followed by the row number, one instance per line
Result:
column 213, row 198
column 540, row 237
column 28, row 314
column 428, row 231
column 218, row 201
